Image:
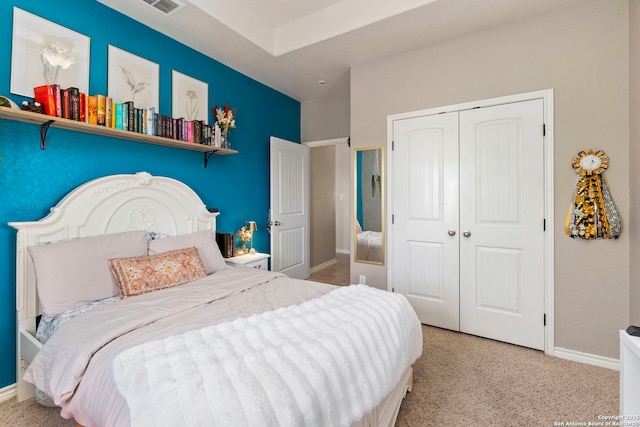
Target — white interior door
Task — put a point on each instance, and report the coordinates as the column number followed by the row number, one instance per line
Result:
column 468, row 246
column 426, row 244
column 502, row 223
column 289, row 208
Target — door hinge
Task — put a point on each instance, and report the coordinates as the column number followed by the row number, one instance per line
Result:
column 544, row 130
column 544, row 319
column 393, row 145
column 544, row 224
column 393, row 219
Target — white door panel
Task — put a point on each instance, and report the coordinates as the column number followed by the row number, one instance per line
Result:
column 426, row 208
column 289, row 208
column 502, row 208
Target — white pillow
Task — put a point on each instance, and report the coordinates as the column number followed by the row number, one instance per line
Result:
column 72, row 273
column 203, row 240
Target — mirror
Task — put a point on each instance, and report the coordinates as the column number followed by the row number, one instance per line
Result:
column 369, row 205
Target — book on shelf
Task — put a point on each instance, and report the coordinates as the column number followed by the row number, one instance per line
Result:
column 102, row 109
column 136, row 120
column 74, row 103
column 108, row 114
column 125, row 116
column 92, row 109
column 58, row 96
column 130, row 116
column 83, row 107
column 66, row 103
column 46, row 96
column 189, row 131
column 149, row 127
column 197, row 131
column 118, row 115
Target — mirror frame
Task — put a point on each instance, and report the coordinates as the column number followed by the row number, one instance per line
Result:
column 356, row 186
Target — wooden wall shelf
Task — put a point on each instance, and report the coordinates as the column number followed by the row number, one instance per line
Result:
column 45, row 122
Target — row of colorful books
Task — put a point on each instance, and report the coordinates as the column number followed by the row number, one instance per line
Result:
column 100, row 110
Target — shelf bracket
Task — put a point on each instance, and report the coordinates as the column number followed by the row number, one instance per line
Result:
column 43, row 133
column 206, row 157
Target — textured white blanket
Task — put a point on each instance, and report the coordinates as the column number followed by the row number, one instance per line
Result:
column 325, row 362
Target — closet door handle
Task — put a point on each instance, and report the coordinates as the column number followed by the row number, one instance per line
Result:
column 451, row 233
column 466, row 234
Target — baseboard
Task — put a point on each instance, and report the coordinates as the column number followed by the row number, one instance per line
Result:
column 343, row 251
column 323, row 265
column 8, row 392
column 589, row 359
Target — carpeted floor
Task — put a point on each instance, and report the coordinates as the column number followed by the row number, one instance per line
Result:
column 462, row 380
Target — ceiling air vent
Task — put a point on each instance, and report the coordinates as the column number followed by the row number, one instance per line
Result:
column 165, row 6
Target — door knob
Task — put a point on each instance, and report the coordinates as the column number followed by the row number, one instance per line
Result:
column 451, row 233
column 276, row 223
column 466, row 234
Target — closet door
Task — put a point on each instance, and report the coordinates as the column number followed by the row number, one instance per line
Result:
column 501, row 223
column 425, row 197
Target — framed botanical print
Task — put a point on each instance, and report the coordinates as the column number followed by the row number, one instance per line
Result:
column 45, row 53
column 190, row 97
column 132, row 78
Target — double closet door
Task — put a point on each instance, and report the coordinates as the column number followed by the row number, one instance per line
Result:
column 468, row 237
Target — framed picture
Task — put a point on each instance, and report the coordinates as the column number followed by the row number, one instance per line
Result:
column 190, row 97
column 132, row 78
column 46, row 53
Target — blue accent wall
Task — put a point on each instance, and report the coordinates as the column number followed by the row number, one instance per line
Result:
column 32, row 180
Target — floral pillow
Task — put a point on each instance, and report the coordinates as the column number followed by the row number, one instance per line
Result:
column 139, row 275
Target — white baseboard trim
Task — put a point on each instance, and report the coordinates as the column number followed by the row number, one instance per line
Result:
column 323, row 265
column 343, row 251
column 589, row 359
column 8, row 392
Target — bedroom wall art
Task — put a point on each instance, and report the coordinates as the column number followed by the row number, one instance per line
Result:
column 37, row 179
column 189, row 97
column 46, row 53
column 132, row 78
column 592, row 214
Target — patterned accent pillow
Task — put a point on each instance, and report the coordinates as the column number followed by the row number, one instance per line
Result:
column 138, row 275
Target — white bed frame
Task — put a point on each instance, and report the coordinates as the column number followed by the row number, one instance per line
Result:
column 114, row 204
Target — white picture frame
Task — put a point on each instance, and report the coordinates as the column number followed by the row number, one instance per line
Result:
column 189, row 97
column 132, row 78
column 44, row 52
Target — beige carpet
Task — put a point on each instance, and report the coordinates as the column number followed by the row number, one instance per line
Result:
column 463, row 380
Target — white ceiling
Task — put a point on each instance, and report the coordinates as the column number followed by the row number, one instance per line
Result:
column 290, row 45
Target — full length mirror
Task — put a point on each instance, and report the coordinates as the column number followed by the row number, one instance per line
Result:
column 369, row 205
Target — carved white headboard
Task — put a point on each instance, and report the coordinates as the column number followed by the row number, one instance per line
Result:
column 108, row 205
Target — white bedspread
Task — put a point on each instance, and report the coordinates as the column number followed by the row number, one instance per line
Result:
column 325, row 362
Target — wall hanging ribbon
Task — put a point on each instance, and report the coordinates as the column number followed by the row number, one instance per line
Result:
column 592, row 214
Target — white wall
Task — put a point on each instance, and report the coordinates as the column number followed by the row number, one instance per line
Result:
column 328, row 118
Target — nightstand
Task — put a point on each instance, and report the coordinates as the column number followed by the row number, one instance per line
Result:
column 256, row 260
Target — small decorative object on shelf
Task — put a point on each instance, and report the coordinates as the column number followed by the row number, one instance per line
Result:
column 6, row 102
column 34, row 107
column 225, row 120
